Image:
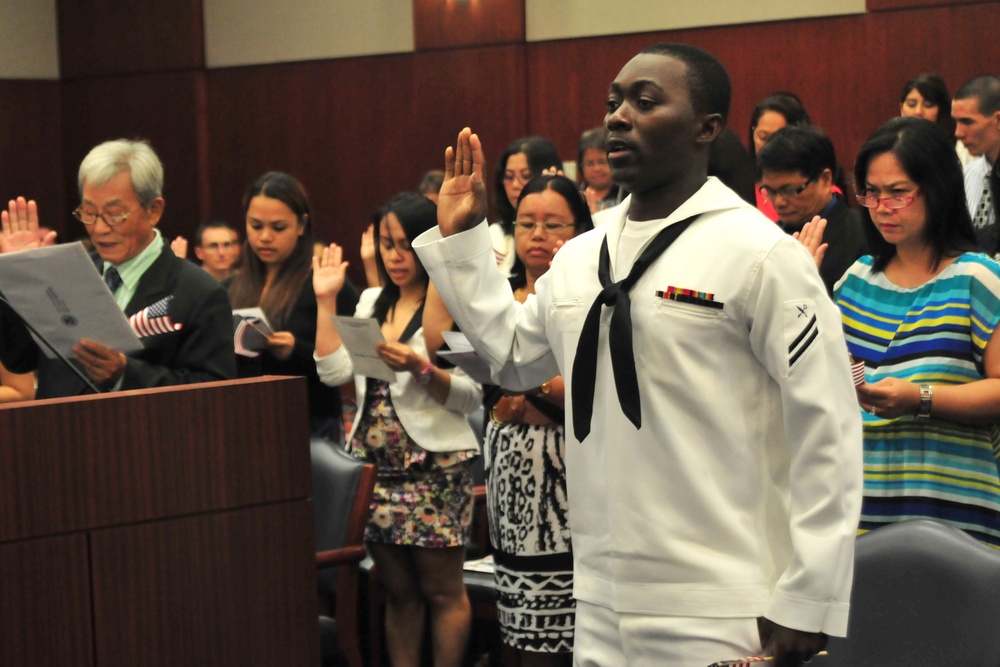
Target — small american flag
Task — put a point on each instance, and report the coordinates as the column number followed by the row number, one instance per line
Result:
column 750, row 660
column 154, row 319
column 249, row 335
column 742, row 662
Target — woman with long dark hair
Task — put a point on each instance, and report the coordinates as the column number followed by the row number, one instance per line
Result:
column 277, row 277
column 415, row 430
column 921, row 313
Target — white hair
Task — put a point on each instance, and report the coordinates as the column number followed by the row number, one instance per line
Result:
column 111, row 158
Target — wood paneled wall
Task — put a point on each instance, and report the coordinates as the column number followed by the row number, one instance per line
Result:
column 357, row 130
column 31, row 147
column 848, row 70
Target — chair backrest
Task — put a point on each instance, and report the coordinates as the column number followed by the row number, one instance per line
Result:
column 342, row 490
column 924, row 593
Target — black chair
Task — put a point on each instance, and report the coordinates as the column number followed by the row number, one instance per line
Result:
column 925, row 593
column 342, row 494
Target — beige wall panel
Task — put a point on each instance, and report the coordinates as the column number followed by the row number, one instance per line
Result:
column 251, row 32
column 29, row 48
column 565, row 19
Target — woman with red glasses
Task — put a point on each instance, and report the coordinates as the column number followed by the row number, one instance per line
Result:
column 920, row 312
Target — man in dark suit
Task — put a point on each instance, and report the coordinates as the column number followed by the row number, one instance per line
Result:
column 795, row 168
column 181, row 314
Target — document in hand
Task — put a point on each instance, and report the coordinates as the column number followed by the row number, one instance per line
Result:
column 462, row 355
column 360, row 335
column 58, row 291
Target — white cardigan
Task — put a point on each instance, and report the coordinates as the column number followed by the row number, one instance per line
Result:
column 435, row 427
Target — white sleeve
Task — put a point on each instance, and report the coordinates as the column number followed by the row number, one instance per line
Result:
column 465, row 394
column 797, row 334
column 509, row 336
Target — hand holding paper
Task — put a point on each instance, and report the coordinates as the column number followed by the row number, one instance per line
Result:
column 361, row 336
column 101, row 364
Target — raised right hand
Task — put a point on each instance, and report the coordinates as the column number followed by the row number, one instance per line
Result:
column 811, row 236
column 329, row 272
column 19, row 228
column 462, row 201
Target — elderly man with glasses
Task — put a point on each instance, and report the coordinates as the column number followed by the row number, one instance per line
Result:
column 796, row 168
column 181, row 314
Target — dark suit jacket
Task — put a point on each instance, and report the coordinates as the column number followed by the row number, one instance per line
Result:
column 201, row 351
column 846, row 232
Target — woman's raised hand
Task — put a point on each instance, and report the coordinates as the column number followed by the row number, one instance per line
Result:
column 368, row 256
column 19, row 228
column 462, row 201
column 329, row 272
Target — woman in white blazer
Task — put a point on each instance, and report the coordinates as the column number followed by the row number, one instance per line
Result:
column 414, row 429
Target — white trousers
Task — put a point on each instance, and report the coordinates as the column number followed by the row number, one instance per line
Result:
column 605, row 638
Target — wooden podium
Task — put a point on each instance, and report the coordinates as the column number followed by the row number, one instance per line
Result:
column 159, row 527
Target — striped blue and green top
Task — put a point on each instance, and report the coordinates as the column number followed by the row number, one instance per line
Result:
column 933, row 334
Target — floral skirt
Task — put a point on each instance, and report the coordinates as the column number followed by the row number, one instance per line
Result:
column 422, row 498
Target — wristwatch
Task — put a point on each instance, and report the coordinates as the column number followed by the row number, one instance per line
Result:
column 425, row 375
column 926, row 395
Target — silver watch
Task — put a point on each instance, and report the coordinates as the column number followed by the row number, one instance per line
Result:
column 926, row 396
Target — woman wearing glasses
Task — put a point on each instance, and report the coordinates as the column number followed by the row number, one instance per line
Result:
column 523, row 159
column 921, row 312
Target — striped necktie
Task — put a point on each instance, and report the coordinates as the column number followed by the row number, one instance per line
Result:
column 112, row 279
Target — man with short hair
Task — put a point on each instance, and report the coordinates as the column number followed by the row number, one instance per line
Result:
column 121, row 184
column 714, row 459
column 795, row 169
column 976, row 110
column 213, row 246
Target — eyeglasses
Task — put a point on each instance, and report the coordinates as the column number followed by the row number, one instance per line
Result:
column 110, row 219
column 218, row 246
column 549, row 227
column 522, row 178
column 891, row 203
column 788, row 191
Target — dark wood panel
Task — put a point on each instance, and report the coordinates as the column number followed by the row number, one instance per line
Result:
column 138, row 455
column 356, row 131
column 106, row 37
column 446, row 24
column 778, row 63
column 150, row 606
column 848, row 70
column 885, row 5
column 167, row 110
column 31, row 148
column 45, row 616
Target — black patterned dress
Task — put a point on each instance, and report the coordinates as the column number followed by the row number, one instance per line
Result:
column 529, row 529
